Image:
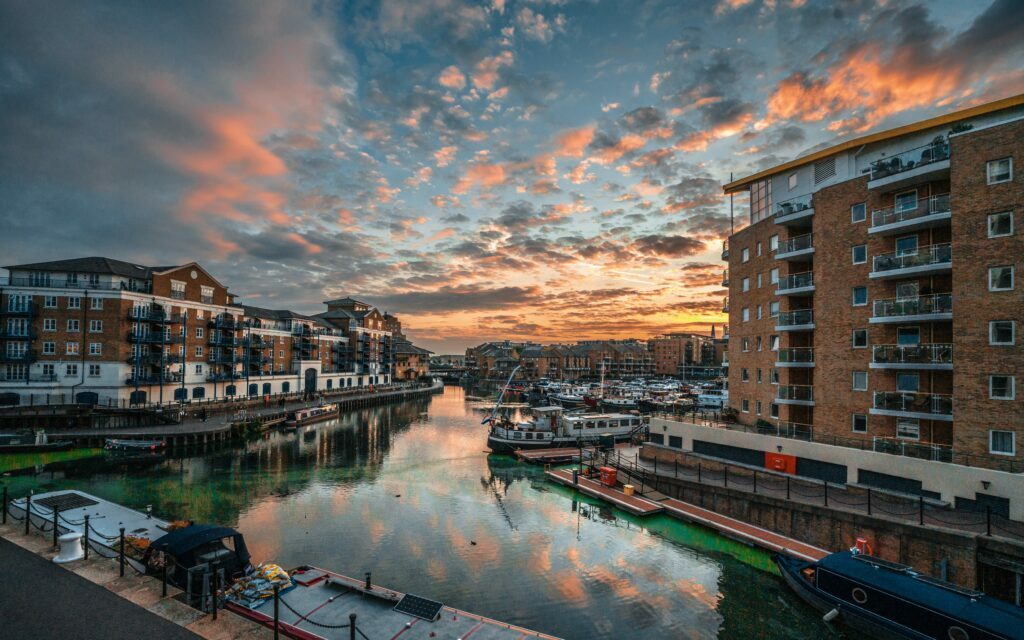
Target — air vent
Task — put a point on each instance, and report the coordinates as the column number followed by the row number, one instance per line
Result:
column 824, row 170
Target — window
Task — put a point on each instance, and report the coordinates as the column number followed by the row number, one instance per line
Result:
column 745, row 255
column 1000, row 224
column 757, row 407
column 908, row 336
column 773, row 376
column 759, row 313
column 71, row 348
column 773, row 343
column 906, row 246
column 50, row 302
column 71, row 370
column 746, row 314
column 746, row 405
column 906, row 201
column 199, row 332
column 1001, row 387
column 860, row 254
column 792, row 181
column 860, row 380
column 94, row 370
column 1002, row 442
column 745, row 374
column 177, row 290
column 860, row 296
column 773, row 276
column 198, row 352
column 908, row 428
column 760, row 199
column 860, row 338
column 746, row 284
column 74, row 302
column 908, row 382
column 759, row 378
column 1000, row 278
column 773, row 309
column 760, row 278
column 49, row 370
column 1002, row 332
column 757, row 342
column 860, row 423
column 746, row 344
column 1000, row 170
column 859, row 212
column 199, row 369
column 73, row 325
column 95, row 326
column 758, row 247
column 773, row 410
column 95, row 348
column 49, row 348
column 773, row 243
column 207, row 295
column 96, row 304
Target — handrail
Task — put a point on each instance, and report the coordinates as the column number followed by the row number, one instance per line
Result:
column 935, row 151
column 921, row 305
column 930, row 205
column 794, row 244
column 937, row 353
column 928, row 255
column 912, row 402
column 796, row 281
column 795, row 318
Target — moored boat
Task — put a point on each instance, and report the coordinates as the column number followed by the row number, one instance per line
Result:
column 310, row 415
column 888, row 600
column 552, row 428
column 29, row 442
column 113, row 444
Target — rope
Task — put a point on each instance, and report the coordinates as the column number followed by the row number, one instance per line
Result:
column 303, row 618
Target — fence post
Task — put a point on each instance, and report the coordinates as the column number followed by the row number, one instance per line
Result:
column 86, row 536
column 755, row 482
column 698, row 473
column 725, row 475
column 920, row 510
column 787, row 487
column 869, row 501
column 826, row 493
column 988, row 520
column 55, row 514
column 277, row 589
column 216, row 585
column 675, row 468
column 28, row 511
column 352, row 626
column 120, row 552
column 163, row 575
column 3, row 505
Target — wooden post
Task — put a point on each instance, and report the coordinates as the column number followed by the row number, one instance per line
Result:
column 86, row 536
column 120, row 553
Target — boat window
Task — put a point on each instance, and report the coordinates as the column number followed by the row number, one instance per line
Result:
column 517, row 435
column 590, row 425
column 529, row 436
column 859, row 595
column 958, row 633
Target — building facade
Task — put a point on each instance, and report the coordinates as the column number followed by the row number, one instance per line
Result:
column 103, row 330
column 874, row 296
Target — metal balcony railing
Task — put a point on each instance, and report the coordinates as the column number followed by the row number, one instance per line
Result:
column 914, row 402
column 221, row 340
column 224, row 377
column 725, row 305
column 924, row 256
column 225, row 322
column 725, row 249
column 796, row 318
column 798, row 243
column 935, row 151
column 795, row 355
column 796, row 281
column 155, row 338
column 60, row 283
column 793, row 205
column 912, row 354
column 18, row 356
column 224, row 358
column 18, row 309
column 922, row 207
column 725, row 278
column 17, row 334
column 922, row 305
column 800, row 392
column 160, row 359
column 786, row 429
column 141, row 314
column 149, row 378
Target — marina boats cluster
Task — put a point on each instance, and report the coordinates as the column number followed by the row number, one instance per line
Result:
column 668, row 395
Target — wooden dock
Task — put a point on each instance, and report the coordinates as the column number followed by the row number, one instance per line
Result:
column 633, row 504
column 556, row 455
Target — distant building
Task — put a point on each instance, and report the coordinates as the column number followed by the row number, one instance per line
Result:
column 411, row 362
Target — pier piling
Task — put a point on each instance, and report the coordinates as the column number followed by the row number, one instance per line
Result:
column 87, row 537
column 120, row 552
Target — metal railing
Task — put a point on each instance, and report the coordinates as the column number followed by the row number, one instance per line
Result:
column 799, row 392
column 797, row 318
column 796, row 281
column 795, row 355
column 932, row 205
column 224, row 377
column 725, row 305
column 935, row 151
column 225, row 341
column 142, row 314
column 793, row 205
column 56, row 283
column 725, row 249
column 924, row 256
column 148, row 378
column 18, row 335
column 922, row 305
column 912, row 354
column 798, row 243
column 26, row 308
column 725, row 278
column 155, row 338
column 909, row 402
column 26, row 356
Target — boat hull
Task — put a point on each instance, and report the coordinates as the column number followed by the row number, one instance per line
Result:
column 60, row 445
column 869, row 624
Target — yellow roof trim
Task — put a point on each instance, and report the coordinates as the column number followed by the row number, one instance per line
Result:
column 938, row 121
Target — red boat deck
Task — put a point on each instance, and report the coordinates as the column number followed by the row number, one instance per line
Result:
column 633, row 504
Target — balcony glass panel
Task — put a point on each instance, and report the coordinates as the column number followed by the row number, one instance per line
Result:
column 802, row 392
column 923, row 207
column 796, row 281
column 935, row 151
column 799, row 243
column 796, row 355
column 923, row 256
column 796, row 318
column 912, row 354
column 914, row 402
column 921, row 305
column 793, row 205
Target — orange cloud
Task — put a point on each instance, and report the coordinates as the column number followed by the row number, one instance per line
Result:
column 485, row 74
column 452, row 78
column 610, row 154
column 483, row 175
column 573, row 143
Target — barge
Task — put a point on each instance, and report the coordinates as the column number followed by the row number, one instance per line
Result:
column 302, row 417
column 28, row 442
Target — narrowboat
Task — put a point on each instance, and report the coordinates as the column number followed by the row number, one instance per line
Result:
column 28, row 442
column 310, row 415
column 113, row 444
column 550, row 429
column 886, row 600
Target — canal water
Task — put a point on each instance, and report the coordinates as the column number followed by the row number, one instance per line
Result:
column 409, row 493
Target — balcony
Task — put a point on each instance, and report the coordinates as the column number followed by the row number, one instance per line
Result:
column 905, row 404
column 148, row 378
column 799, row 320
column 912, row 357
column 795, row 284
column 224, row 358
column 155, row 338
column 725, row 278
column 796, row 248
column 725, row 305
column 931, row 308
column 797, row 394
column 929, row 260
column 725, row 249
column 225, row 377
column 15, row 357
column 156, row 359
column 227, row 323
column 218, row 340
column 26, row 309
column 795, row 357
column 158, row 316
column 929, row 162
column 17, row 335
column 59, row 283
column 795, row 211
column 933, row 211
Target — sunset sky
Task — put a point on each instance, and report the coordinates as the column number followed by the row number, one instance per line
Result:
column 545, row 170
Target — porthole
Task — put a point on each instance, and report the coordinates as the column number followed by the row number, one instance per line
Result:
column 859, row 595
column 958, row 633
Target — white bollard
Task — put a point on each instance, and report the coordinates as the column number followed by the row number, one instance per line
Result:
column 70, row 548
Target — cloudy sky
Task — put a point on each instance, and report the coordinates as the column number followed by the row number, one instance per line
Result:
column 534, row 169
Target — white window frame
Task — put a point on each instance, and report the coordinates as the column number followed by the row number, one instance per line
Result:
column 745, row 284
column 198, row 352
column 1013, row 442
column 745, row 405
column 993, row 216
column 1013, row 387
column 773, row 243
column 1002, row 266
column 853, row 381
column 96, row 304
column 853, row 297
column 49, row 348
column 773, row 276
column 853, row 253
column 853, row 423
column 1013, row 333
column 988, row 170
column 745, row 254
column 49, row 302
column 49, row 324
column 746, row 314
column 773, row 309
column 71, row 348
column 853, row 339
column 94, row 371
column 773, row 411
column 95, row 348
column 199, row 332
column 95, row 326
column 74, row 302
column 70, row 370
column 862, row 216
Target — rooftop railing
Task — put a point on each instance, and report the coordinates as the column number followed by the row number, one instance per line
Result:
column 61, row 283
column 922, row 207
column 910, row 402
column 935, row 151
column 912, row 354
column 922, row 305
column 934, row 254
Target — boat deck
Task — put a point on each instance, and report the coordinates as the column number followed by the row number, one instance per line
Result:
column 105, row 517
column 552, row 456
column 633, row 504
column 320, row 603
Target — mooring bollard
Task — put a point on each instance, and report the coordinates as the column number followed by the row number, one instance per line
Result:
column 55, row 514
column 277, row 589
column 352, row 626
column 369, row 586
column 28, row 511
column 86, row 536
column 120, row 552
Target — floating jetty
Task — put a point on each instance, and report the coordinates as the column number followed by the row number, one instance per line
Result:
column 633, row 504
column 556, row 455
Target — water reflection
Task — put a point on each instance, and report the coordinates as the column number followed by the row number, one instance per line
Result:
column 409, row 493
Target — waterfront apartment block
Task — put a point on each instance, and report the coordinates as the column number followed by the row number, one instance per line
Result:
column 585, row 359
column 876, row 294
column 688, row 355
column 102, row 330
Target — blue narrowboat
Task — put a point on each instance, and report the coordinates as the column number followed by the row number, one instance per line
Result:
column 888, row 600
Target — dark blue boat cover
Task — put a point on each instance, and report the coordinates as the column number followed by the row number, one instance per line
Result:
column 983, row 612
column 184, row 540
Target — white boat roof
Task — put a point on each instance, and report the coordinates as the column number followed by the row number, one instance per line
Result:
column 601, row 416
column 548, row 409
column 105, row 517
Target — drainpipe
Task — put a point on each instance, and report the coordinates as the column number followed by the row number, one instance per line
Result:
column 81, row 349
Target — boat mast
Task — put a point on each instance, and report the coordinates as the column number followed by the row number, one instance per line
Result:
column 501, row 396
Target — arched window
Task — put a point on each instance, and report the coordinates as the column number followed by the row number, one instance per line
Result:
column 330, row 383
column 230, row 390
column 198, row 393
column 266, row 388
column 180, row 394
column 254, row 389
column 137, row 397
column 286, row 387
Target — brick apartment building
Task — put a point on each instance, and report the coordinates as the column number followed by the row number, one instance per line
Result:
column 97, row 329
column 874, row 294
column 685, row 354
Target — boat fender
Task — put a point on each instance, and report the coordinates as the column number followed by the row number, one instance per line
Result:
column 831, row 615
